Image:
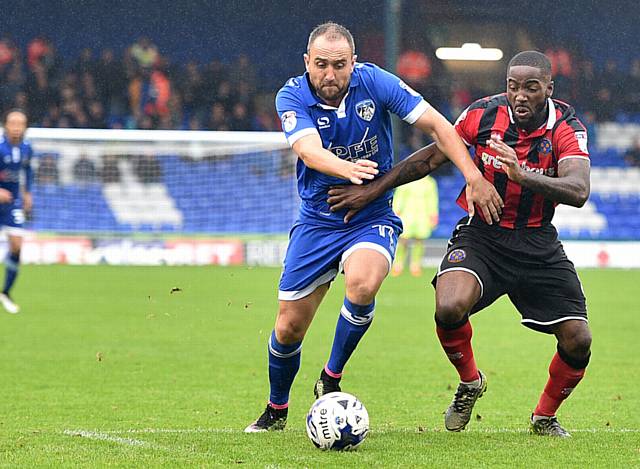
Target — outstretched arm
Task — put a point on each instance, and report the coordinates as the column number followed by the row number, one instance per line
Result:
column 416, row 166
column 479, row 191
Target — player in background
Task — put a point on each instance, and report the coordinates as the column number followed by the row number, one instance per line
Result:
column 336, row 118
column 417, row 205
column 534, row 151
column 15, row 156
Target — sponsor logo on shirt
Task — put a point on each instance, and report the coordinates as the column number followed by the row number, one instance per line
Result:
column 363, row 150
column 323, row 122
column 490, row 160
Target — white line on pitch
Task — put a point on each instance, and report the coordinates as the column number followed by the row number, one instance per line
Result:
column 379, row 431
column 104, row 436
column 174, row 430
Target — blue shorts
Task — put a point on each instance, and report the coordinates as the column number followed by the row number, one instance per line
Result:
column 316, row 254
column 12, row 216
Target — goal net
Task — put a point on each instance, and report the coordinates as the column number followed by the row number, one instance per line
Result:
column 162, row 182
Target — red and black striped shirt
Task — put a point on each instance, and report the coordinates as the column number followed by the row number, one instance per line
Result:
column 562, row 136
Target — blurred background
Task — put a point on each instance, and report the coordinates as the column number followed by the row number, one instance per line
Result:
column 216, row 65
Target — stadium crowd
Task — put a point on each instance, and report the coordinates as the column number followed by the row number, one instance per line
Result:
column 144, row 90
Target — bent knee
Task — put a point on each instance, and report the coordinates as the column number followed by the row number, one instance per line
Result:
column 362, row 291
column 578, row 344
column 289, row 333
column 452, row 310
column 575, row 340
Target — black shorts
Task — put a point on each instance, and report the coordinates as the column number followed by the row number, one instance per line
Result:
column 528, row 264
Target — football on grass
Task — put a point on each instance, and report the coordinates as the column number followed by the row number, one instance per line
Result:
column 337, row 421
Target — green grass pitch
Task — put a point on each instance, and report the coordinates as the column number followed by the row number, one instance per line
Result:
column 106, row 366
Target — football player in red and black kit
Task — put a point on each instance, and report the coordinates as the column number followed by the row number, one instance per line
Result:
column 534, row 150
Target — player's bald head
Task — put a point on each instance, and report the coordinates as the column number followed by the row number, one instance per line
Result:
column 332, row 32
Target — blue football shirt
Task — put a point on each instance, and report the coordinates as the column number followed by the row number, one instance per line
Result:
column 14, row 159
column 360, row 128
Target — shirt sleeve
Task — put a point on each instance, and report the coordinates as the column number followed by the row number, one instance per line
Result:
column 467, row 126
column 294, row 115
column 571, row 142
column 399, row 97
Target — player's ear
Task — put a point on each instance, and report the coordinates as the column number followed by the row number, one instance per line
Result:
column 549, row 92
column 306, row 61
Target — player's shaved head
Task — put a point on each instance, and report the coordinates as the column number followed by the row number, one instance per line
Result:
column 532, row 58
column 333, row 32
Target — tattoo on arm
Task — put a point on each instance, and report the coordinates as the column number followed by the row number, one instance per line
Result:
column 571, row 187
column 416, row 166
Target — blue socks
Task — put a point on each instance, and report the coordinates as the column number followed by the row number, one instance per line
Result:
column 12, row 263
column 353, row 322
column 284, row 363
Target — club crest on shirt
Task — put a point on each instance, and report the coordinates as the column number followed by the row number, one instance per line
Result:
column 545, row 146
column 366, row 109
column 289, row 121
column 457, row 255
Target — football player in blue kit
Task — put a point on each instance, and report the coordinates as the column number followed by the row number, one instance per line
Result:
column 336, row 117
column 15, row 157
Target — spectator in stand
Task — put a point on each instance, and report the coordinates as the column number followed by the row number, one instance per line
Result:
column 111, row 83
column 39, row 92
column 146, row 123
column 159, row 93
column 97, row 119
column 85, row 62
column 8, row 56
column 610, row 91
column 20, row 100
column 243, row 70
column 11, row 85
column 175, row 118
column 149, row 94
column 47, row 171
column 88, row 90
column 84, row 170
column 460, row 99
column 192, row 87
column 218, row 119
column 586, row 85
column 39, row 51
column 148, row 169
column 144, row 52
column 414, row 67
column 42, row 51
column 240, row 117
column 632, row 156
column 52, row 116
column 265, row 120
column 224, row 94
column 562, row 70
column 194, row 123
